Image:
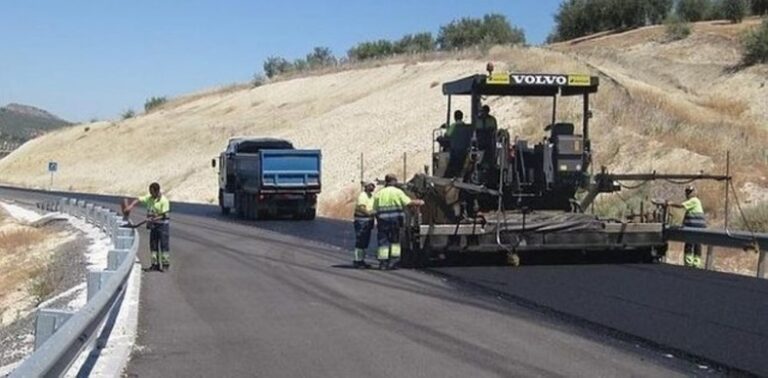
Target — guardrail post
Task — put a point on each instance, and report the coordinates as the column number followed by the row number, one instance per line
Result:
column 67, row 206
column 762, row 265
column 89, row 212
column 115, row 257
column 96, row 280
column 101, row 218
column 710, row 262
column 62, row 205
column 124, row 238
column 112, row 225
column 79, row 209
column 47, row 322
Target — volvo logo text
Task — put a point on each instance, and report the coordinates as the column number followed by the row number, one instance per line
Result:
column 540, row 79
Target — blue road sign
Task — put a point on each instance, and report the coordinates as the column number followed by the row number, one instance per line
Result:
column 53, row 166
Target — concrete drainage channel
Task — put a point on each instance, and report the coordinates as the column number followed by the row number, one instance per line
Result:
column 62, row 337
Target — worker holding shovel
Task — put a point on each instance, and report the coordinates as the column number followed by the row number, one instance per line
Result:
column 158, row 221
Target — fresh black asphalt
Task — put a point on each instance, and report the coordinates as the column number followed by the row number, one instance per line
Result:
column 277, row 298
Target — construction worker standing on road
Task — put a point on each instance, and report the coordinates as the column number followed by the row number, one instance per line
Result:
column 364, row 219
column 390, row 204
column 694, row 217
column 158, row 222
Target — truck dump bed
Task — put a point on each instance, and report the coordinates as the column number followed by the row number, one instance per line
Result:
column 290, row 169
column 279, row 170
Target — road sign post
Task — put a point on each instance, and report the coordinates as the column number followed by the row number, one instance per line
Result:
column 52, row 168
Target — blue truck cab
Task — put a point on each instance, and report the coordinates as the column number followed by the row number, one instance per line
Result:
column 260, row 177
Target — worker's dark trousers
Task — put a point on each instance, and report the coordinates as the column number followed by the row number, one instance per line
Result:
column 388, row 235
column 363, row 228
column 456, row 163
column 692, row 252
column 159, row 241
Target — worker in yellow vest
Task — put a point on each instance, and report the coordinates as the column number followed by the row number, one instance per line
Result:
column 158, row 223
column 364, row 220
column 390, row 204
column 694, row 217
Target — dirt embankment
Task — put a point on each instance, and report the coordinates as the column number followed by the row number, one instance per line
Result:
column 37, row 264
column 664, row 106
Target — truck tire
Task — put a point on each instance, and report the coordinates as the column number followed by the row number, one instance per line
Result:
column 239, row 206
column 310, row 214
column 252, row 211
column 224, row 210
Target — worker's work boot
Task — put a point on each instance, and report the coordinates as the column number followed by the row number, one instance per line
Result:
column 689, row 260
column 697, row 262
column 166, row 260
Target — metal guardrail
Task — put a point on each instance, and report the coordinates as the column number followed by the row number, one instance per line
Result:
column 60, row 336
column 722, row 238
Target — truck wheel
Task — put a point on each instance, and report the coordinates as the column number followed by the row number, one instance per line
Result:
column 252, row 208
column 310, row 214
column 224, row 210
column 240, row 207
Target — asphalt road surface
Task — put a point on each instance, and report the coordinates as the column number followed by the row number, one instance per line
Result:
column 278, row 298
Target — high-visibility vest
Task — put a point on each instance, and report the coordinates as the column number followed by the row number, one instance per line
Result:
column 694, row 213
column 390, row 202
column 366, row 201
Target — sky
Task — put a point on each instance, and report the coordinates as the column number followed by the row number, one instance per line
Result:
column 95, row 59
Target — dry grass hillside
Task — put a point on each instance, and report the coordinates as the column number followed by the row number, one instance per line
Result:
column 692, row 94
column 670, row 107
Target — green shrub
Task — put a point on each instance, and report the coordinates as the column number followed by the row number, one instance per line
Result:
column 577, row 18
column 693, row 10
column 258, row 80
column 128, row 114
column 676, row 29
column 469, row 32
column 371, row 50
column 320, row 57
column 153, row 102
column 734, row 10
column 275, row 65
column 756, row 45
column 759, row 7
column 415, row 43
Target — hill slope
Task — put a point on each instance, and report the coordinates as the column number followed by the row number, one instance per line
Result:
column 670, row 107
column 19, row 123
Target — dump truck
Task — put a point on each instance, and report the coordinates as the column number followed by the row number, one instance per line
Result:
column 509, row 197
column 266, row 177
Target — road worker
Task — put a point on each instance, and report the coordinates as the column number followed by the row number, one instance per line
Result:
column 694, row 217
column 158, row 223
column 485, row 120
column 390, row 204
column 486, row 135
column 459, row 135
column 364, row 220
column 458, row 121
